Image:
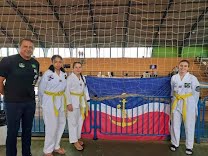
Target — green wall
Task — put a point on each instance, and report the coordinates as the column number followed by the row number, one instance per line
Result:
column 195, row 51
column 186, row 52
column 164, row 52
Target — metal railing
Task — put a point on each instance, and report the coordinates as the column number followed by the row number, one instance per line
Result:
column 146, row 120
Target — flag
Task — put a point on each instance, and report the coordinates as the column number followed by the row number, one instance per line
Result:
column 131, row 108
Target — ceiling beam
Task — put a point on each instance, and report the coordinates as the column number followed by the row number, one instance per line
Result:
column 125, row 38
column 105, row 13
column 57, row 16
column 108, row 20
column 30, row 27
column 94, row 29
column 193, row 27
column 139, row 3
column 10, row 38
column 161, row 21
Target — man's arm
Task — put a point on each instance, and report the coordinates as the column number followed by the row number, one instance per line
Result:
column 2, row 85
column 4, row 72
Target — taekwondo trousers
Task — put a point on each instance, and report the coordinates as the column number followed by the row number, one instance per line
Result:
column 54, row 128
column 75, row 123
column 189, row 126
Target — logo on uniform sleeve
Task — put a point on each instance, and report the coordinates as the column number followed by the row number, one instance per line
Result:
column 33, row 65
column 198, row 89
column 187, row 85
column 21, row 65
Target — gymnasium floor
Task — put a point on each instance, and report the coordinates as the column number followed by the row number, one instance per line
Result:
column 116, row 148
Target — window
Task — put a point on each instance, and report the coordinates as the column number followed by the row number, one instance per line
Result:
column 90, row 52
column 130, row 52
column 74, row 52
column 12, row 51
column 52, row 51
column 38, row 52
column 93, row 52
column 3, row 52
column 104, row 52
column 144, row 52
column 64, row 52
column 80, row 52
column 116, row 52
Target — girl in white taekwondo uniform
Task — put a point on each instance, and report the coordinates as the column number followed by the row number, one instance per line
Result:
column 77, row 106
column 52, row 96
column 185, row 92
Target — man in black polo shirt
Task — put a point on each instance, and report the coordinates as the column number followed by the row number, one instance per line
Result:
column 21, row 73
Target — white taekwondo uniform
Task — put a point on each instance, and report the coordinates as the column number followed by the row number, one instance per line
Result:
column 77, row 95
column 51, row 93
column 185, row 94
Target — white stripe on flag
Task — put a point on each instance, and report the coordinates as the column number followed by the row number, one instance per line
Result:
column 145, row 108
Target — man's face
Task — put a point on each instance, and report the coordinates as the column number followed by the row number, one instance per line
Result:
column 26, row 49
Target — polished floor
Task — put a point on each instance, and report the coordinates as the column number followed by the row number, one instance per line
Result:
column 115, row 148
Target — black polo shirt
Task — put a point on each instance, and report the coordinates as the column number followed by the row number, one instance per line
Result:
column 21, row 76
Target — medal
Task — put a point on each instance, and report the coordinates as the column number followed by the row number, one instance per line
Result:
column 60, row 80
column 80, row 84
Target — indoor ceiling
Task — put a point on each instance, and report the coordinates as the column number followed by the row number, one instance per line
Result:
column 104, row 23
